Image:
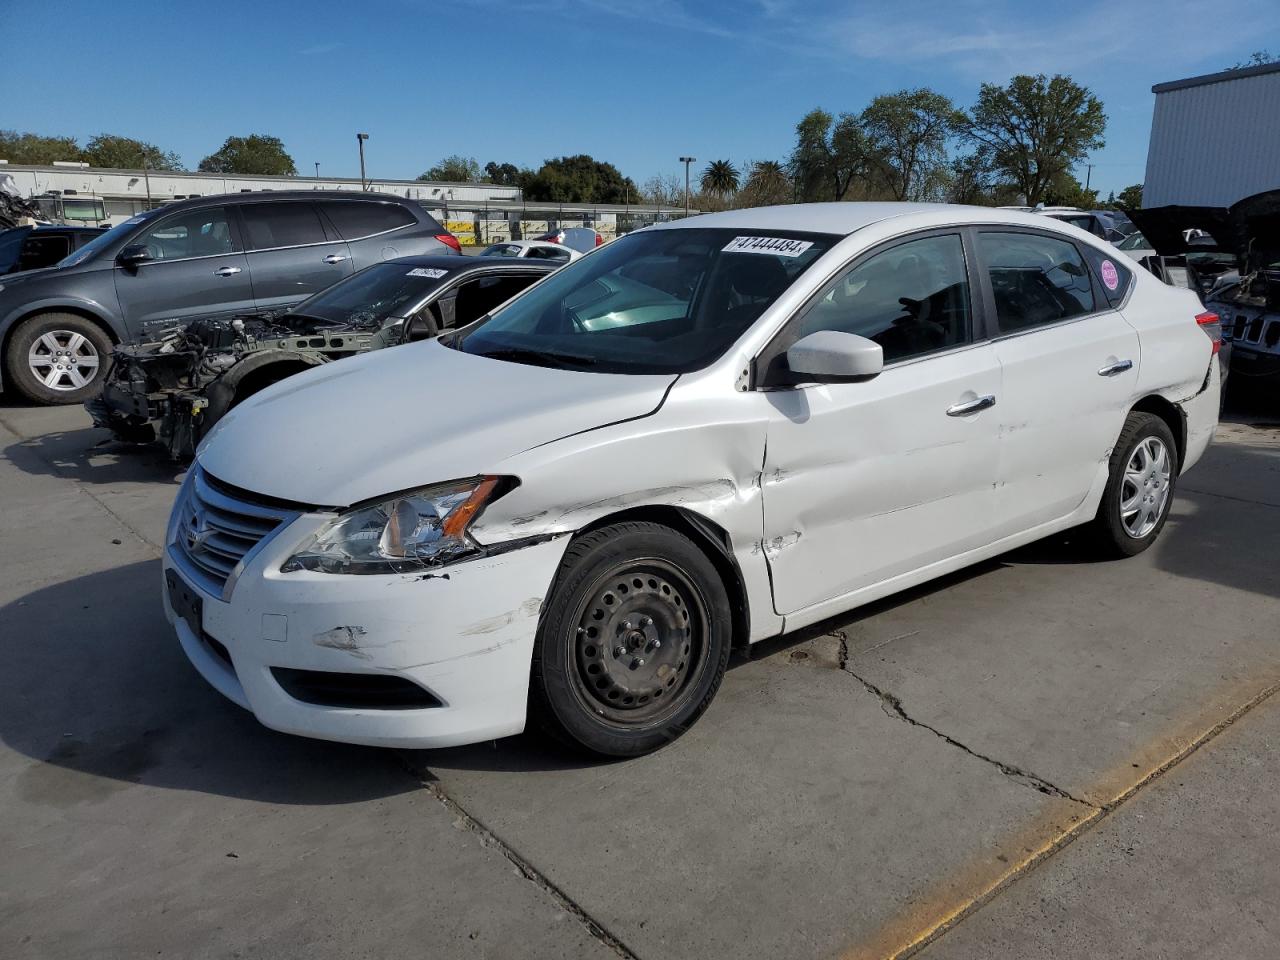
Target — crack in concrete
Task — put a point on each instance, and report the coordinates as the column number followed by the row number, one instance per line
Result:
column 892, row 706
column 488, row 838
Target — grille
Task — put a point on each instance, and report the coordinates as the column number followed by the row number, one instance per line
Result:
column 217, row 532
column 1255, row 330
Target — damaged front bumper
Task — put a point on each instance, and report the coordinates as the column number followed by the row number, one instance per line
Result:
column 404, row 660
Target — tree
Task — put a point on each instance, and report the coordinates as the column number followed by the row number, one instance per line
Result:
column 454, row 169
column 505, row 174
column 254, row 155
column 720, row 178
column 1130, row 198
column 663, row 190
column 580, row 179
column 907, row 132
column 1258, row 58
column 1036, row 129
column 971, row 180
column 767, row 184
column 1065, row 190
column 829, row 153
column 109, row 150
column 32, row 148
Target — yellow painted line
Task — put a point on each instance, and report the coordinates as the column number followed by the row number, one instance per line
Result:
column 894, row 943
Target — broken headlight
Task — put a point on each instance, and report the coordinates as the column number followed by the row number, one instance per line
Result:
column 402, row 534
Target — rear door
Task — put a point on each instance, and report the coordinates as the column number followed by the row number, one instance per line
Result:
column 378, row 230
column 1070, row 368
column 291, row 254
column 197, row 269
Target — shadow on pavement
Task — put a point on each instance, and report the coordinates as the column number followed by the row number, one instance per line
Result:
column 97, row 689
column 91, row 455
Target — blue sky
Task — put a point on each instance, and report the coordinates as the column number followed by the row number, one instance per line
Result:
column 635, row 82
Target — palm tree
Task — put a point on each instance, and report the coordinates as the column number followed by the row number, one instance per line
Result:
column 720, row 178
column 768, row 183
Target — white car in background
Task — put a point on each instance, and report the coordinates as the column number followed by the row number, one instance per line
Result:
column 708, row 433
column 532, row 249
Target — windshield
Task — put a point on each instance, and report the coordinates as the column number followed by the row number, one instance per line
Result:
column 501, row 250
column 656, row 301
column 373, row 295
column 1135, row 241
column 102, row 241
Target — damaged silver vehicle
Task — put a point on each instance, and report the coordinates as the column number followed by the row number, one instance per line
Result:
column 176, row 387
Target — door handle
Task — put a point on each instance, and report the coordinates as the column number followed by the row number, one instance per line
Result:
column 1111, row 369
column 226, row 271
column 334, row 258
column 971, row 406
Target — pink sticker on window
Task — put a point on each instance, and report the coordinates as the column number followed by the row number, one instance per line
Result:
column 1110, row 275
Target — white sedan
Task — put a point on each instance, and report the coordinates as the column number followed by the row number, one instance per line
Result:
column 706, row 434
column 533, row 249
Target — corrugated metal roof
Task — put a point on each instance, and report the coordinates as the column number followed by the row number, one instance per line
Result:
column 1215, row 142
column 1219, row 77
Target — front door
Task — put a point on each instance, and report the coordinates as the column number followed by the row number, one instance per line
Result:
column 290, row 254
column 1070, row 366
column 865, row 482
column 197, row 269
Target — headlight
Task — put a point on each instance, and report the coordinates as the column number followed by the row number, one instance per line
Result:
column 402, row 534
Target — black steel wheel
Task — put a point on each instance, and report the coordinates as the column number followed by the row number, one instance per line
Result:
column 634, row 642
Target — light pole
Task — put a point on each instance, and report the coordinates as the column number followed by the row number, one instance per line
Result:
column 146, row 175
column 360, row 139
column 686, row 161
column 317, row 169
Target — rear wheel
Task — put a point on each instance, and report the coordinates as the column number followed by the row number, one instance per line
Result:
column 634, row 642
column 57, row 358
column 1139, row 492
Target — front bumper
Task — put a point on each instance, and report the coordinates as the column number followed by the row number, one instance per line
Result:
column 463, row 632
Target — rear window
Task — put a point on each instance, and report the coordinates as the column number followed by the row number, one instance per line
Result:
column 284, row 223
column 1035, row 279
column 363, row 218
column 10, row 247
column 1113, row 276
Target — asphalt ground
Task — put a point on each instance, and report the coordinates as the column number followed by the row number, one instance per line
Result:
column 1042, row 756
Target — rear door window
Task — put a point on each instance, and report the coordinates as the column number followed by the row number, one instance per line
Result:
column 1035, row 279
column 364, row 218
column 284, row 223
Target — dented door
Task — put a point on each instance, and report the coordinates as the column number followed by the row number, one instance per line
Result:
column 864, row 482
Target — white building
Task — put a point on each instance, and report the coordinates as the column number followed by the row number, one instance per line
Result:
column 1215, row 139
column 99, row 195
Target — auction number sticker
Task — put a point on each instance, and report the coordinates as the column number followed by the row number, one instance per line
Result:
column 431, row 273
column 1110, row 275
column 777, row 246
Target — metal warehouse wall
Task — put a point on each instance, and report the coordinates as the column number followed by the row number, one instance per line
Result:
column 1214, row 139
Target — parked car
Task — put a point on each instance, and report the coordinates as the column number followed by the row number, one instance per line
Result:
column 178, row 386
column 707, row 433
column 35, row 247
column 1100, row 223
column 216, row 256
column 532, row 249
column 582, row 239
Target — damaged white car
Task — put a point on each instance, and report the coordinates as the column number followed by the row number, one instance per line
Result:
column 702, row 435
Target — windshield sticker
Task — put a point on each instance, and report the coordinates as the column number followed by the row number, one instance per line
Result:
column 778, row 246
column 432, row 273
column 1110, row 276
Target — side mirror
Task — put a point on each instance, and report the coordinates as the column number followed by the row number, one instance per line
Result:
column 830, row 356
column 134, row 254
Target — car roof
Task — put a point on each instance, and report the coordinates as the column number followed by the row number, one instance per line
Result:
column 256, row 196
column 845, row 218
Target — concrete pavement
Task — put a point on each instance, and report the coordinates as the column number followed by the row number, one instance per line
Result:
column 913, row 774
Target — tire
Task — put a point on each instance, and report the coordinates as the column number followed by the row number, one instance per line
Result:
column 633, row 643
column 1139, row 491
column 55, row 358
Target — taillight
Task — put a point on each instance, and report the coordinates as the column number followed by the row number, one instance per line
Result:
column 449, row 240
column 599, row 239
column 1211, row 324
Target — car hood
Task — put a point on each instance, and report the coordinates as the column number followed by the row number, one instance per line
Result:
column 422, row 413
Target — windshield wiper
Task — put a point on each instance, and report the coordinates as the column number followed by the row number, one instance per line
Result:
column 548, row 358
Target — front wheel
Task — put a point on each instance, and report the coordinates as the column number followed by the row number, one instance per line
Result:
column 57, row 358
column 1139, row 491
column 634, row 642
